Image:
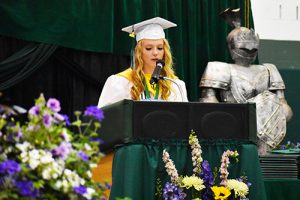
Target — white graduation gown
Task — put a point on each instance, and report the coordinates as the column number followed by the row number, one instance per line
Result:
column 117, row 88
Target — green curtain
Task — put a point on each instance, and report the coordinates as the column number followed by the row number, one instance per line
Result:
column 138, row 165
column 200, row 35
column 23, row 63
column 95, row 25
column 78, row 24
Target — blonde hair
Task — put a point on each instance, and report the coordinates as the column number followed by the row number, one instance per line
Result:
column 138, row 74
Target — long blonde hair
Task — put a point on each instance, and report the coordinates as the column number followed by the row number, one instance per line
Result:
column 138, row 74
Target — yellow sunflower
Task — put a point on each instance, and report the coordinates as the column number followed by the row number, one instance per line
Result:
column 220, row 193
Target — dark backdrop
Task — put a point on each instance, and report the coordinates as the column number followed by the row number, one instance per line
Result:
column 75, row 77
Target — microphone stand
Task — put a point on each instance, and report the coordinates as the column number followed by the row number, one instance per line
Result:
column 169, row 79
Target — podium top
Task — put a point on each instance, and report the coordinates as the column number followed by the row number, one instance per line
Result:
column 127, row 120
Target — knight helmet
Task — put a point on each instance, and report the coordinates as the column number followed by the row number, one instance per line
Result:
column 242, row 42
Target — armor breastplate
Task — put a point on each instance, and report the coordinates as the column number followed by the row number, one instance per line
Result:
column 245, row 85
column 240, row 83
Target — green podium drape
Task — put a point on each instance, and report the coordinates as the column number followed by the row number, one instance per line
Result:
column 278, row 189
column 137, row 165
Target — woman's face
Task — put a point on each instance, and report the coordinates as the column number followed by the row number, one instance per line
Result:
column 152, row 50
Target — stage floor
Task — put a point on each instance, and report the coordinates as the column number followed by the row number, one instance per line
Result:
column 103, row 172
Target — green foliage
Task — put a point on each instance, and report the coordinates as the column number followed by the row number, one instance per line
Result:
column 158, row 189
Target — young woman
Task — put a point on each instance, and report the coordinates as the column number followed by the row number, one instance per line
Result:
column 134, row 83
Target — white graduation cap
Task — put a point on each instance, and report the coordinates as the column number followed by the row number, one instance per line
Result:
column 149, row 29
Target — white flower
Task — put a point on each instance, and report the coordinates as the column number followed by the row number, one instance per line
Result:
column 24, row 157
column 67, row 172
column 193, row 181
column 46, row 157
column 87, row 147
column 58, row 184
column 89, row 173
column 73, row 178
column 54, row 176
column 65, row 185
column 240, row 188
column 34, row 158
column 24, row 146
column 65, row 135
column 170, row 167
column 89, row 193
column 34, row 163
column 53, row 170
column 8, row 150
column 93, row 165
column 46, row 174
column 34, row 154
column 59, row 166
column 196, row 152
column 224, row 165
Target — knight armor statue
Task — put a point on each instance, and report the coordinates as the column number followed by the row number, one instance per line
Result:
column 244, row 82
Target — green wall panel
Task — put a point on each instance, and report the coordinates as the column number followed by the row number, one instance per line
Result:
column 286, row 56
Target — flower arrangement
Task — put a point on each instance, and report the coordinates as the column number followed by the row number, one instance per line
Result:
column 44, row 159
column 289, row 145
column 201, row 183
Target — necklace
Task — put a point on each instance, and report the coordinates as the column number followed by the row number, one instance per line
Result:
column 147, row 93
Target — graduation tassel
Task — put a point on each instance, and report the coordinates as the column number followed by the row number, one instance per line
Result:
column 133, row 44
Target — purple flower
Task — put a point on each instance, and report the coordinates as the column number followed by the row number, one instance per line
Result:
column 19, row 134
column 83, row 156
column 80, row 190
column 96, row 139
column 34, row 111
column 95, row 112
column 66, row 119
column 9, row 166
column 2, row 181
column 104, row 186
column 249, row 184
column 208, row 180
column 62, row 150
column 172, row 191
column 108, row 186
column 206, row 173
column 26, row 188
column 59, row 117
column 53, row 104
column 47, row 120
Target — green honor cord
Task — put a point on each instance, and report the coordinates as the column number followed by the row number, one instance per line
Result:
column 147, row 91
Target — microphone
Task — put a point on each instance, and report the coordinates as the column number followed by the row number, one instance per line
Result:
column 180, row 89
column 155, row 75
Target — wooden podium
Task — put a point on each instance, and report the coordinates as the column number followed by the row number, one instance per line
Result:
column 128, row 120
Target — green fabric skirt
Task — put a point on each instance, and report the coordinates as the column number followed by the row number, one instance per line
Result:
column 138, row 165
